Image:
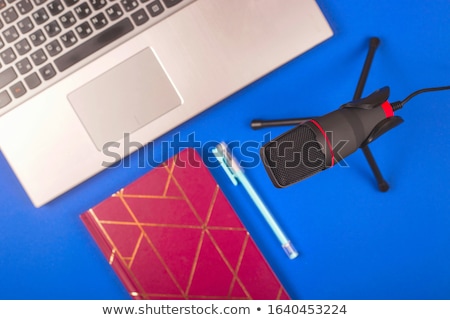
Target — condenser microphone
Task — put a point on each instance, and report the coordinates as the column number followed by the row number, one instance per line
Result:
column 319, row 143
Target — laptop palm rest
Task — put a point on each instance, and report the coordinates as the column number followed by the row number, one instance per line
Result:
column 124, row 98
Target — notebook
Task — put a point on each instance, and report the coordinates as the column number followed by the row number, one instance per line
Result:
column 78, row 76
column 172, row 234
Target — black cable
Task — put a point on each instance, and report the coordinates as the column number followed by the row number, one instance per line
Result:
column 399, row 104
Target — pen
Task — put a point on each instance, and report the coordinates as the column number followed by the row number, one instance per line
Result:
column 236, row 175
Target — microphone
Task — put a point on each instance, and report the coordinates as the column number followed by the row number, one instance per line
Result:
column 321, row 142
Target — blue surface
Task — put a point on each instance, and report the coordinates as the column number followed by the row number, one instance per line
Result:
column 354, row 241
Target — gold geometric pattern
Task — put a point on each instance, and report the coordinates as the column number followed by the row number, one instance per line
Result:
column 167, row 240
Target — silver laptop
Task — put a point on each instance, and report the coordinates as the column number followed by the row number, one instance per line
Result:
column 80, row 75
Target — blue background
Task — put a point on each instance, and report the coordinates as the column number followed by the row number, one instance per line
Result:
column 354, row 241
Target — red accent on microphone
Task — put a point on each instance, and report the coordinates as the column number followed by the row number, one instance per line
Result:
column 387, row 109
column 326, row 139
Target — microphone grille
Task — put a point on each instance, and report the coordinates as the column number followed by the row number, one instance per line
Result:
column 293, row 156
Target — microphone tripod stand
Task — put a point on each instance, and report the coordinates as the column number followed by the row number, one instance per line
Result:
column 373, row 45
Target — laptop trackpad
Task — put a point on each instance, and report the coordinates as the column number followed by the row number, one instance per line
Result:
column 125, row 98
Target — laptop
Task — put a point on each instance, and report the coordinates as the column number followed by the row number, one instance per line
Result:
column 79, row 76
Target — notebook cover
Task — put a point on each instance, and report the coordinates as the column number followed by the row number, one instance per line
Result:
column 172, row 234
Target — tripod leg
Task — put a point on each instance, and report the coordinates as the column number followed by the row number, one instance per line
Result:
column 382, row 184
column 373, row 45
column 258, row 124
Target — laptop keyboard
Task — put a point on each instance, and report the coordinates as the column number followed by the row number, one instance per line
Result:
column 40, row 40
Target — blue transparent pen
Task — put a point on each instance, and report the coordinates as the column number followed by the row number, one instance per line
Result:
column 236, row 174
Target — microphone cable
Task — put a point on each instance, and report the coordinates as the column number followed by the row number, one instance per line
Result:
column 399, row 104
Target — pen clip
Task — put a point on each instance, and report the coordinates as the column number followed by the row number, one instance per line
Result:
column 222, row 155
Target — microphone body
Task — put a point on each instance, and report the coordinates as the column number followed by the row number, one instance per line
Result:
column 321, row 142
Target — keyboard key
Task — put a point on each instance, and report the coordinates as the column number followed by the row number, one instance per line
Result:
column 129, row 5
column 114, row 12
column 98, row 4
column 140, row 17
column 84, row 30
column 7, row 76
column 8, row 56
column 94, row 44
column 99, row 21
column 40, row 16
column 11, row 34
column 68, row 19
column 2, row 44
column 32, row 81
column 52, row 28
column 83, row 10
column 24, row 66
column 24, row 6
column 38, row 57
column 155, row 8
column 5, row 99
column 37, row 38
column 55, row 7
column 171, row 3
column 18, row 89
column 39, row 2
column 25, row 25
column 2, row 4
column 68, row 39
column 22, row 46
column 10, row 15
column 47, row 72
column 70, row 3
column 53, row 48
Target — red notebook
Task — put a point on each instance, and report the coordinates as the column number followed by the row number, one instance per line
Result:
column 172, row 234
